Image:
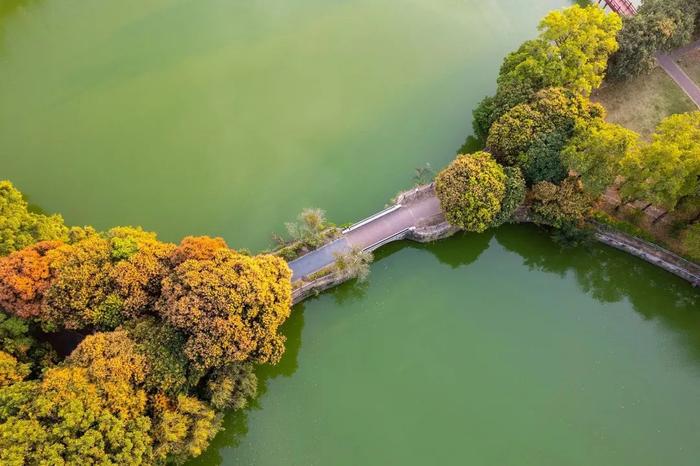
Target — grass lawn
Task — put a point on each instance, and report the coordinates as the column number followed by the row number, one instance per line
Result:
column 641, row 103
column 690, row 62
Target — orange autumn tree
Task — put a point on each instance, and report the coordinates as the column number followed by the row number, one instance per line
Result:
column 25, row 275
column 95, row 280
column 197, row 248
column 173, row 333
column 230, row 305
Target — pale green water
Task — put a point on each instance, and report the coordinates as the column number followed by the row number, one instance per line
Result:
column 226, row 117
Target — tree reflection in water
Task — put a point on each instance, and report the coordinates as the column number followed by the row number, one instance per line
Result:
column 602, row 272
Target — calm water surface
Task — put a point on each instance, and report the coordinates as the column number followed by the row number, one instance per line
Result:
column 226, row 117
column 494, row 349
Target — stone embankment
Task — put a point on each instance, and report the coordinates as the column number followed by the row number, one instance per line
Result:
column 649, row 252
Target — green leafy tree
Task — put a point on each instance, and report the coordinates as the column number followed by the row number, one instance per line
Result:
column 163, row 345
column 470, row 190
column 11, row 370
column 309, row 228
column 231, row 386
column 659, row 25
column 491, row 108
column 552, row 110
column 667, row 170
column 596, row 151
column 513, row 197
column 16, row 340
column 542, row 160
column 354, row 263
column 19, row 227
column 572, row 51
column 560, row 206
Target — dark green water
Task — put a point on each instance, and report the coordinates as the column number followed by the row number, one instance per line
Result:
column 493, row 349
column 226, row 117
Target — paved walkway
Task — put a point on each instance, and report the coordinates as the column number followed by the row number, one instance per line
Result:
column 669, row 64
column 368, row 236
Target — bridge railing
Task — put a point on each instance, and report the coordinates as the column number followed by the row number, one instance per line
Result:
column 388, row 239
column 372, row 218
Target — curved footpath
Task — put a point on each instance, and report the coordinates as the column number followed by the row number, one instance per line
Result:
column 669, row 62
column 416, row 215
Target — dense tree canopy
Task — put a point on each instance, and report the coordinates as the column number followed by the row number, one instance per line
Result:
column 67, row 419
column 668, row 169
column 491, row 108
column 596, row 151
column 172, row 336
column 572, row 51
column 659, row 25
column 19, row 227
column 470, row 190
column 163, row 345
column 230, row 306
column 183, row 427
column 550, row 116
column 12, row 370
column 560, row 205
column 513, row 197
column 542, row 160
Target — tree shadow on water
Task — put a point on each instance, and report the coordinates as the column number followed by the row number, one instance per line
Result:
column 351, row 291
column 610, row 276
column 11, row 7
column 459, row 250
column 236, row 422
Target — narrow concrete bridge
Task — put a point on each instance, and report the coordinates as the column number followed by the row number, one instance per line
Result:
column 417, row 215
column 367, row 235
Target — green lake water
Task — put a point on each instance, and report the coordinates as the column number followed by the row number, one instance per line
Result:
column 226, row 117
column 492, row 349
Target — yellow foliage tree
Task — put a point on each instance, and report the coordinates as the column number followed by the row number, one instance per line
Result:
column 230, row 306
column 67, row 419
